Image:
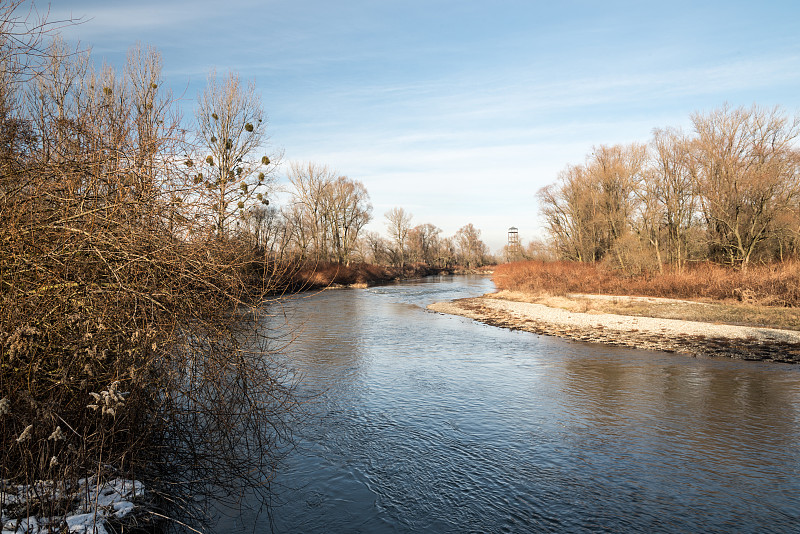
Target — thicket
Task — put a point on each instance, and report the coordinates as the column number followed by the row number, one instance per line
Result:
column 131, row 335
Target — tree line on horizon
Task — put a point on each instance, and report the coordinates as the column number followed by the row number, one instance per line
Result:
column 728, row 192
column 324, row 220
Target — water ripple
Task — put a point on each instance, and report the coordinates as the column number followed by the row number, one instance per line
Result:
column 430, row 423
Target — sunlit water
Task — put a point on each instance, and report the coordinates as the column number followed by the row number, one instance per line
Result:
column 430, row 423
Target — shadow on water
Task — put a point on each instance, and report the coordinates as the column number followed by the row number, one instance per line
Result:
column 430, row 423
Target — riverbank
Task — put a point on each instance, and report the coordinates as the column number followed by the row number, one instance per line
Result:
column 582, row 323
column 318, row 275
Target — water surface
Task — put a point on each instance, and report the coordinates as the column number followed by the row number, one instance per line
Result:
column 424, row 422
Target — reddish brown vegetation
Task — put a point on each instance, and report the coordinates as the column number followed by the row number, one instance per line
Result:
column 771, row 285
column 322, row 274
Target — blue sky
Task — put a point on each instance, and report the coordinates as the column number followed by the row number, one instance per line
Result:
column 459, row 111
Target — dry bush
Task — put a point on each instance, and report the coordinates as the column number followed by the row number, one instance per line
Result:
column 124, row 347
column 771, row 285
column 133, row 352
column 132, row 338
column 555, row 278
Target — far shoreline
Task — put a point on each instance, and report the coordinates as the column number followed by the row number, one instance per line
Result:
column 693, row 338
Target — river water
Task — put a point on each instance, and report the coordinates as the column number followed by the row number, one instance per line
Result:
column 421, row 422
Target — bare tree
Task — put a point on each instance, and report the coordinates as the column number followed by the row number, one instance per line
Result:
column 231, row 127
column 472, row 250
column 572, row 214
column 669, row 197
column 327, row 211
column 23, row 33
column 375, row 248
column 448, row 252
column 55, row 95
column 398, row 223
column 346, row 210
column 748, row 174
column 264, row 226
column 617, row 170
column 156, row 127
column 423, row 243
column 307, row 212
column 539, row 250
column 786, row 234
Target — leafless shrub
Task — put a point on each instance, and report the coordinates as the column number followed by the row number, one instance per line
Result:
column 130, row 333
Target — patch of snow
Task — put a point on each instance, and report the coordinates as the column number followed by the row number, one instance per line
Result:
column 94, row 505
column 29, row 524
column 87, row 523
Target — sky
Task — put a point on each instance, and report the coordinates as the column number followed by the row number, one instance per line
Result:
column 460, row 111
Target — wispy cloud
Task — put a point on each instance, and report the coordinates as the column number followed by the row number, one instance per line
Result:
column 127, row 19
column 457, row 110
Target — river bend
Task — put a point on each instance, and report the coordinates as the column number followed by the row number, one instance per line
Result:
column 422, row 422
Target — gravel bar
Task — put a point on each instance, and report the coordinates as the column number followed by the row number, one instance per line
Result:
column 688, row 337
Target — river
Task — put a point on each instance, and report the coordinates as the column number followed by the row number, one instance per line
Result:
column 421, row 422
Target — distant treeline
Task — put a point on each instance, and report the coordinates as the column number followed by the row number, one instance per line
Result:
column 324, row 220
column 728, row 192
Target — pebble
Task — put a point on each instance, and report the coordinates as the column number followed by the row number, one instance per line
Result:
column 671, row 335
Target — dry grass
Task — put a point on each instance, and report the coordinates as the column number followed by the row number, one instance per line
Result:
column 763, row 296
column 767, row 285
column 730, row 312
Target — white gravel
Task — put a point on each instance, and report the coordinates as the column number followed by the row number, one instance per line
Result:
column 647, row 332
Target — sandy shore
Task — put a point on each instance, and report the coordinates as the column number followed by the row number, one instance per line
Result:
column 690, row 337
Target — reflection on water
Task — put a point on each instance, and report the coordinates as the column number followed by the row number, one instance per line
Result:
column 426, row 422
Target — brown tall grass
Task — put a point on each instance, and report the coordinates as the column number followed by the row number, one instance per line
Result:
column 770, row 285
